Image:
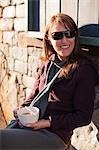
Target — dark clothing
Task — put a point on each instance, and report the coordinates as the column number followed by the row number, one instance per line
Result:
column 71, row 100
column 19, row 139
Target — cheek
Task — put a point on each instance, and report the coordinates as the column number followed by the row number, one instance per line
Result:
column 55, row 43
column 72, row 43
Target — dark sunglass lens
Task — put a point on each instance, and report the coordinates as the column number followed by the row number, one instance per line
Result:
column 57, row 35
column 67, row 34
column 72, row 33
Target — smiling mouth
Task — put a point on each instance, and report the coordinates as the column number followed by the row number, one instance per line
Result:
column 65, row 46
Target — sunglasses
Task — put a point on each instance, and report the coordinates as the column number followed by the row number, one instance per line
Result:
column 60, row 35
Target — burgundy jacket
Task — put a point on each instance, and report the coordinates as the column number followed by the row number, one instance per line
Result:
column 71, row 101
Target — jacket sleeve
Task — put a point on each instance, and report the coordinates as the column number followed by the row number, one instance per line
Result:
column 36, row 86
column 83, row 102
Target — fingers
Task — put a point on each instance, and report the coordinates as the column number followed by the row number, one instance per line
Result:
column 20, row 124
column 40, row 124
column 15, row 112
column 16, row 116
column 31, row 125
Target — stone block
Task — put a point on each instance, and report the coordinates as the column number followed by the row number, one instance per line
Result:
column 9, row 12
column 4, row 3
column 6, row 24
column 20, row 11
column 20, row 67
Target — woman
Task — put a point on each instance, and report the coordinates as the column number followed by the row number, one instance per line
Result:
column 71, row 98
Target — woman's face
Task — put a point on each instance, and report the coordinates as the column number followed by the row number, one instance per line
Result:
column 63, row 46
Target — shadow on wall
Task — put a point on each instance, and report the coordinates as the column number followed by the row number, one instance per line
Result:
column 90, row 30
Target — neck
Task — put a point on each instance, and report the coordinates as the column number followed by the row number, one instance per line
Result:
column 62, row 58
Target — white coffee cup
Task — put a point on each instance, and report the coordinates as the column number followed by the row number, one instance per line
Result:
column 28, row 115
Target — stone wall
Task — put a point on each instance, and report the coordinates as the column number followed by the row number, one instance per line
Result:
column 19, row 60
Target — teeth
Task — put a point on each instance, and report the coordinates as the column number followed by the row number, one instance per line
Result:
column 65, row 46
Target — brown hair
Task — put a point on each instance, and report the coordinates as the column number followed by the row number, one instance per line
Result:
column 48, row 49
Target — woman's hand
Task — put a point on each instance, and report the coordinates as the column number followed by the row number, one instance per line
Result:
column 15, row 112
column 43, row 123
column 16, row 116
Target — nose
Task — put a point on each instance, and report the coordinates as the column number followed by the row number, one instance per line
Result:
column 64, row 37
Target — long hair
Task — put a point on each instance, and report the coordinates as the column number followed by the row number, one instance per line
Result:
column 48, row 49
